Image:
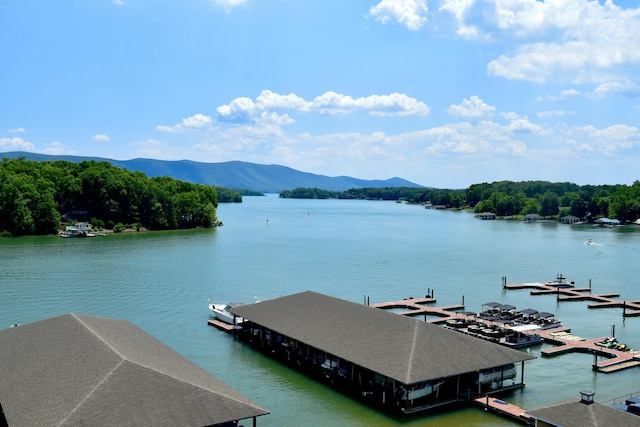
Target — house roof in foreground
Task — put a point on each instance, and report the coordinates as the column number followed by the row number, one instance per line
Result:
column 399, row 347
column 574, row 413
column 83, row 370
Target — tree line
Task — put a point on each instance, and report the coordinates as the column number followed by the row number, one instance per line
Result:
column 508, row 198
column 36, row 196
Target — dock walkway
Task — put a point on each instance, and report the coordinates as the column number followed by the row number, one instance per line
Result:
column 565, row 342
column 416, row 307
column 630, row 308
column 504, row 409
column 611, row 360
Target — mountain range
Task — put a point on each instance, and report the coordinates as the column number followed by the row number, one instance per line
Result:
column 233, row 174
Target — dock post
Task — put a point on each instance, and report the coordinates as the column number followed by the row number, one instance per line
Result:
column 589, row 284
column 613, row 331
column 624, row 308
column 462, row 299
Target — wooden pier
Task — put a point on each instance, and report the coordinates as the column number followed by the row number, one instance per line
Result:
column 416, row 307
column 615, row 360
column 611, row 360
column 630, row 308
column 226, row 327
column 504, row 409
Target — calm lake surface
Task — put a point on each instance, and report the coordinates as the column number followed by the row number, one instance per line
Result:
column 163, row 281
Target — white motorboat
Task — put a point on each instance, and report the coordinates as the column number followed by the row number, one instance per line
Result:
column 422, row 389
column 487, row 376
column 223, row 313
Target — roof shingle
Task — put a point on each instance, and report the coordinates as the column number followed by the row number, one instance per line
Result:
column 82, row 370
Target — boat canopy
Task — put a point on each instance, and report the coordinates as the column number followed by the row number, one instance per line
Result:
column 523, row 328
column 492, row 304
column 544, row 315
column 528, row 311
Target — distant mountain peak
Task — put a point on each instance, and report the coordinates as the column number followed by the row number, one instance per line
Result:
column 232, row 174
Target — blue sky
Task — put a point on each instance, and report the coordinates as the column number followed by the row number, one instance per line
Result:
column 443, row 93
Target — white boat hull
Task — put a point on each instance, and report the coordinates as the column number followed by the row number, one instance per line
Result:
column 221, row 312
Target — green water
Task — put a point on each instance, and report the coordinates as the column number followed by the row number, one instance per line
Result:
column 163, row 281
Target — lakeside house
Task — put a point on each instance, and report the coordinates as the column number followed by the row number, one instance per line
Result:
column 569, row 219
column 75, row 370
column 486, row 216
column 80, row 229
column 391, row 362
column 534, row 217
column 606, row 222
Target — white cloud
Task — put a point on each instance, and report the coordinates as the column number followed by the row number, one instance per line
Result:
column 154, row 149
column 197, row 121
column 606, row 141
column 118, row 2
column 570, row 41
column 624, row 87
column 245, row 110
column 410, row 13
column 460, row 9
column 101, row 138
column 229, row 4
column 58, row 148
column 472, row 107
column 554, row 113
column 17, row 130
column 16, row 143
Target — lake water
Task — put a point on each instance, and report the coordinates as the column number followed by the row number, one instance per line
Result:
column 163, row 281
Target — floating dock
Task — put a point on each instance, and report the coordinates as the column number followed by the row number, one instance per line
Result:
column 566, row 291
column 565, row 342
column 606, row 360
column 504, row 409
column 226, row 327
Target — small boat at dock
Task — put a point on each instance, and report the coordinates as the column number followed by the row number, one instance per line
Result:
column 223, row 313
column 560, row 282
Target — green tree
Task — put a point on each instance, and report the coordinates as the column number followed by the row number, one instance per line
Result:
column 550, row 204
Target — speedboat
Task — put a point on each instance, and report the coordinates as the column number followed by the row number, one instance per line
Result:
column 560, row 282
column 223, row 312
column 588, row 242
column 487, row 376
column 422, row 389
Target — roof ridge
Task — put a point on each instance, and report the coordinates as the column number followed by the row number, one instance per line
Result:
column 73, row 411
column 94, row 332
column 412, row 352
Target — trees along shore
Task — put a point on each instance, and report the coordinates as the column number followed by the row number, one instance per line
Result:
column 35, row 197
column 508, row 198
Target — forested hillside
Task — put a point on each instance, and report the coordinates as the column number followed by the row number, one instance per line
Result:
column 36, row 196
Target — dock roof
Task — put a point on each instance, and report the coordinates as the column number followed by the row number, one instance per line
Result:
column 575, row 413
column 83, row 370
column 402, row 348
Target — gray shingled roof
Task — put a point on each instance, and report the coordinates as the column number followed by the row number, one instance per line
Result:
column 405, row 349
column 82, row 370
column 577, row 414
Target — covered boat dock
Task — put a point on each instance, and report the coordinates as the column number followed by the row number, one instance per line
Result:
column 391, row 362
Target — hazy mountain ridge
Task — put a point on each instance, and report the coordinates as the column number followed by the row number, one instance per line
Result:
column 233, row 174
